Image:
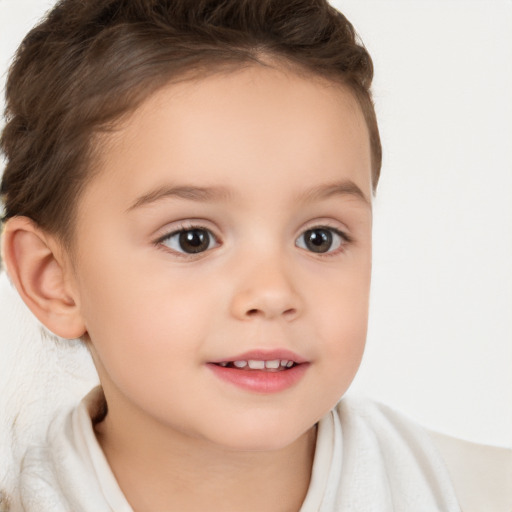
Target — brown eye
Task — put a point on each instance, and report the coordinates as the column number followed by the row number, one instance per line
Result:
column 195, row 240
column 190, row 241
column 321, row 240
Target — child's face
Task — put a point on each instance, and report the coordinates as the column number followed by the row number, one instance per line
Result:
column 268, row 168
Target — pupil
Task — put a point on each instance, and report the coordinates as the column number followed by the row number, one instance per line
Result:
column 318, row 240
column 194, row 240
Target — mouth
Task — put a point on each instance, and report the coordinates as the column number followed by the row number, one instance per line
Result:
column 262, row 372
column 273, row 365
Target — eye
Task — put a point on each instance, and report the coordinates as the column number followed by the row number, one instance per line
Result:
column 191, row 240
column 322, row 239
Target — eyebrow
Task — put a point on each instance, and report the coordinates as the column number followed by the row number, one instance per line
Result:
column 192, row 193
column 341, row 188
column 218, row 193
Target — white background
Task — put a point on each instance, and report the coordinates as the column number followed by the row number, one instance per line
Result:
column 440, row 337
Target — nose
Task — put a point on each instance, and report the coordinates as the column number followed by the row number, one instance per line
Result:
column 266, row 291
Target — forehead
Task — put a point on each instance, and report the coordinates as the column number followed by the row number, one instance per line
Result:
column 251, row 130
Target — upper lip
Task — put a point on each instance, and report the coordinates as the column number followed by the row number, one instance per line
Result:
column 264, row 355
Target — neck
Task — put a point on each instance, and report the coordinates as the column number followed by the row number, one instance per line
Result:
column 160, row 471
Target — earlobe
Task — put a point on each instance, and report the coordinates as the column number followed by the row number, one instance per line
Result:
column 41, row 277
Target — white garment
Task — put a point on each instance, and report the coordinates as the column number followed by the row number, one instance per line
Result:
column 70, row 472
column 367, row 458
column 370, row 458
column 39, row 374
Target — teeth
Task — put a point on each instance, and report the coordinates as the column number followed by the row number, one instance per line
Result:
column 256, row 365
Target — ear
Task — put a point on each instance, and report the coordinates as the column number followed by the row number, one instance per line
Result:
column 41, row 272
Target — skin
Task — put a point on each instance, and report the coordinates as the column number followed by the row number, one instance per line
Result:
column 176, row 436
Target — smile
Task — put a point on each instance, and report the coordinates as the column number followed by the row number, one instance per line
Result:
column 275, row 365
column 261, row 372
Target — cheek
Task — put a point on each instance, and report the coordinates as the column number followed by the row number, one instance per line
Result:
column 145, row 343
column 343, row 333
column 144, row 314
column 342, row 318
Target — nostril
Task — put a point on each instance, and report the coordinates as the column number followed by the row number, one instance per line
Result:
column 291, row 312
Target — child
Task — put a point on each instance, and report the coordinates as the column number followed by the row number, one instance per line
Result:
column 188, row 190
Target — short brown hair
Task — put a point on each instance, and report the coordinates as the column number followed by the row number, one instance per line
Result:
column 89, row 62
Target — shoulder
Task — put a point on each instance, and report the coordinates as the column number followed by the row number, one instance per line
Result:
column 482, row 475
column 379, row 458
column 39, row 481
column 69, row 470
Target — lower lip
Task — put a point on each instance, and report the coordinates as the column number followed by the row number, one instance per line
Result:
column 261, row 381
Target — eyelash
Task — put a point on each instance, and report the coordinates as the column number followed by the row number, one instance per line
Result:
column 183, row 229
column 345, row 240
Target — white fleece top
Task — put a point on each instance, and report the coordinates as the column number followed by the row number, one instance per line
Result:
column 367, row 458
